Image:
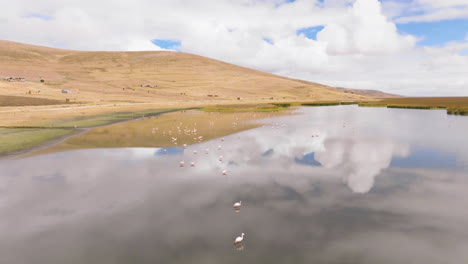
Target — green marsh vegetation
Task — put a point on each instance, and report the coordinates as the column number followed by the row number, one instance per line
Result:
column 16, row 139
column 269, row 107
column 328, row 103
column 247, row 107
column 453, row 105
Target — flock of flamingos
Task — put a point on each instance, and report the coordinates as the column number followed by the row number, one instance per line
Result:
column 198, row 139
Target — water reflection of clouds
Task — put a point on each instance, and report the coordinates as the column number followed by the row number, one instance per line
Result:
column 168, row 209
column 185, row 213
column 308, row 159
column 428, row 158
column 360, row 161
column 169, row 151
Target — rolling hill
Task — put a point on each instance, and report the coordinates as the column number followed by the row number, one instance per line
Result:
column 145, row 76
column 146, row 79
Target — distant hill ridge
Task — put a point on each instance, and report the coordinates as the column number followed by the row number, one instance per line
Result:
column 370, row 93
column 149, row 76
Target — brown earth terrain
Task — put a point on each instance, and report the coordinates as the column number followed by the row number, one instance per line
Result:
column 61, row 84
column 12, row 100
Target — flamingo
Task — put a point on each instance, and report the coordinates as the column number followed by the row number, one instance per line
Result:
column 181, row 164
column 239, row 239
column 237, row 205
column 192, row 164
column 224, row 172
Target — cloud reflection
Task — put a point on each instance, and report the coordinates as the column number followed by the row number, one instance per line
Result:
column 123, row 205
column 360, row 160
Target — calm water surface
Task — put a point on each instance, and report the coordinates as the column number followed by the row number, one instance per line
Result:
column 328, row 185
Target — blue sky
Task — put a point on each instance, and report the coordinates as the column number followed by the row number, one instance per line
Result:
column 268, row 40
column 309, row 32
column 38, row 15
column 167, row 43
column 437, row 32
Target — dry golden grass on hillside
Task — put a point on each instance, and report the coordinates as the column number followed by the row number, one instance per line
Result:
column 121, row 81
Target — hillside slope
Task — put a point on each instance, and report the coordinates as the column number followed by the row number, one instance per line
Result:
column 64, row 84
column 119, row 77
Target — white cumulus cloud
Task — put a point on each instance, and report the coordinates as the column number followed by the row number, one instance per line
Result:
column 358, row 47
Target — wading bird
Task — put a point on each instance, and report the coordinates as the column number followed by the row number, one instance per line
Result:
column 237, row 205
column 239, row 239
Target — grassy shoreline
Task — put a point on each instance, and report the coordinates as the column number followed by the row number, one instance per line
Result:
column 270, row 107
column 16, row 139
column 267, row 107
column 453, row 105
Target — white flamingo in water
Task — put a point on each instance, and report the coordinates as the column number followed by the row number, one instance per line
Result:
column 239, row 239
column 237, row 205
column 224, row 172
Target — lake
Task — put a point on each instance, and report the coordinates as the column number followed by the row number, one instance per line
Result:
column 338, row 184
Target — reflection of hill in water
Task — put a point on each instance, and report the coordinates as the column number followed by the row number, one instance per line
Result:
column 114, row 205
column 188, row 127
